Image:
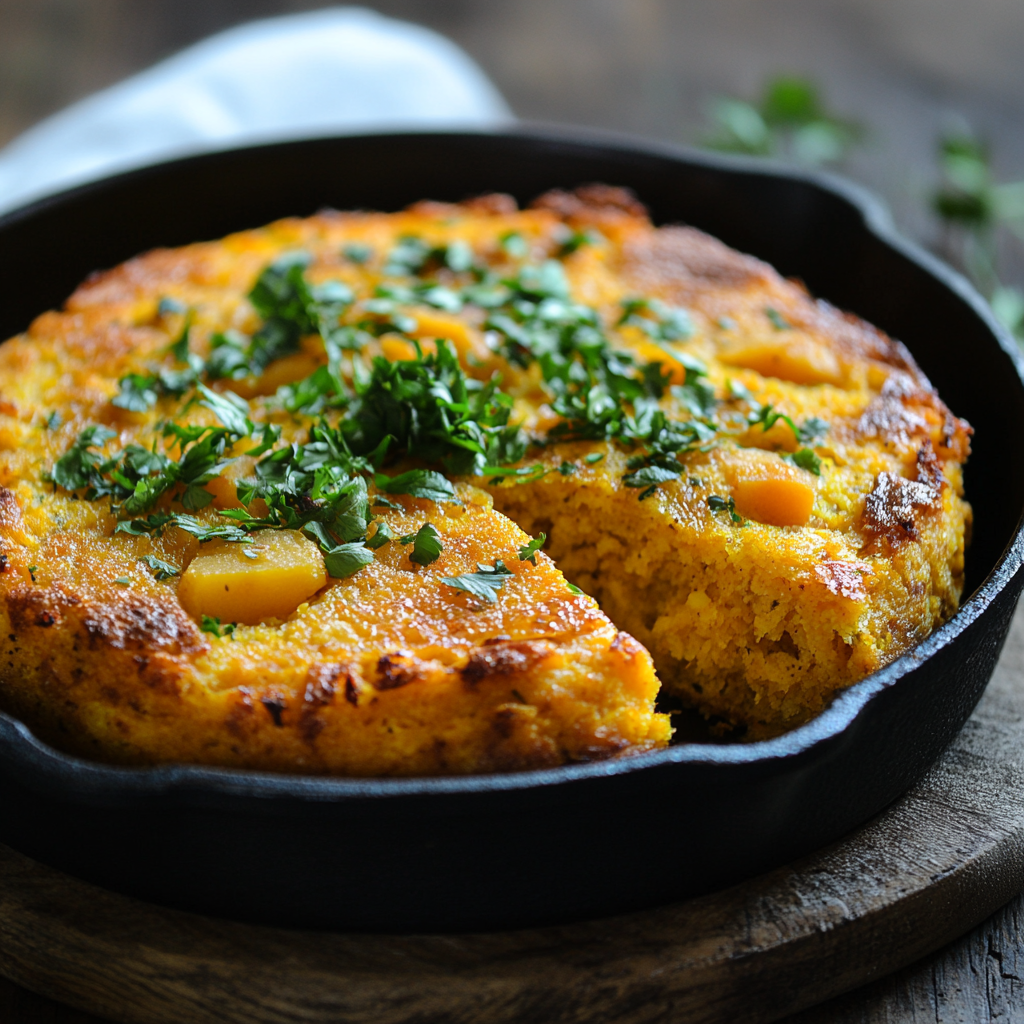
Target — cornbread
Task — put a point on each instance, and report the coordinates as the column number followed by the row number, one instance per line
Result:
column 302, row 499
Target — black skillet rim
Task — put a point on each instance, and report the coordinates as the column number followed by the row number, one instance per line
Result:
column 92, row 780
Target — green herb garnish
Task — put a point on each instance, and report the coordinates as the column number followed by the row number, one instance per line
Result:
column 484, row 584
column 806, row 458
column 719, row 504
column 426, row 545
column 211, row 624
column 357, row 252
column 657, row 320
column 418, row 483
column 346, row 560
column 381, row 537
column 528, row 552
column 161, row 570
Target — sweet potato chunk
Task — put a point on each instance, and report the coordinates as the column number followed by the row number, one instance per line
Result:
column 251, row 582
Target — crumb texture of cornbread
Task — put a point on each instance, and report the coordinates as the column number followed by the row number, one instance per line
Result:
column 268, row 501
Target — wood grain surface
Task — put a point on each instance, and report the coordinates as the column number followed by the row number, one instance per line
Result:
column 930, row 868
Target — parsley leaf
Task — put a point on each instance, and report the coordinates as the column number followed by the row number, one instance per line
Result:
column 161, row 570
column 719, row 504
column 137, row 393
column 168, row 306
column 779, row 322
column 806, row 458
column 231, row 410
column 419, row 483
column 812, row 429
column 427, row 545
column 528, row 552
column 157, row 522
column 210, row 624
column 648, row 475
column 657, row 320
column 484, row 584
column 347, row 559
column 80, row 466
column 381, row 537
column 768, row 417
column 357, row 252
column 514, row 245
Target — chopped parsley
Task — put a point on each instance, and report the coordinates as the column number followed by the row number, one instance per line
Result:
column 344, row 560
column 124, row 581
column 211, row 624
column 593, row 457
column 413, row 257
column 381, row 537
column 53, row 421
column 574, row 240
column 432, row 411
column 778, row 321
column 484, row 584
column 812, row 429
column 719, row 504
column 426, row 545
column 161, row 570
column 168, row 306
column 157, row 522
column 513, row 244
column 528, row 552
column 357, row 252
column 806, row 458
column 418, row 483
column 82, row 463
column 657, row 320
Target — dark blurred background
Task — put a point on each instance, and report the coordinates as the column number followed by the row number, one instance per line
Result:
column 906, row 70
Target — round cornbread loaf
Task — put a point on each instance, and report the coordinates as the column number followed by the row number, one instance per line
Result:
column 277, row 501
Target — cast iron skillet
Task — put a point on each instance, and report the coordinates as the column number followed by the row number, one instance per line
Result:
column 503, row 851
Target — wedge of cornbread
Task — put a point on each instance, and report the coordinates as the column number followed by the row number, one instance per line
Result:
column 301, row 499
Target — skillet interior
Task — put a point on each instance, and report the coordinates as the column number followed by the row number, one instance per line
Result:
column 500, row 851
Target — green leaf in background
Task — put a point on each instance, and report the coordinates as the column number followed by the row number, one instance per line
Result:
column 790, row 122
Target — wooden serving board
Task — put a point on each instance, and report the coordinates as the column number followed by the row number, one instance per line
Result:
column 929, row 868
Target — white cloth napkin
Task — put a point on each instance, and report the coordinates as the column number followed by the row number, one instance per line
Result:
column 331, row 71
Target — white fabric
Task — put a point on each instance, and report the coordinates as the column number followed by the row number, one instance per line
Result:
column 332, row 71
